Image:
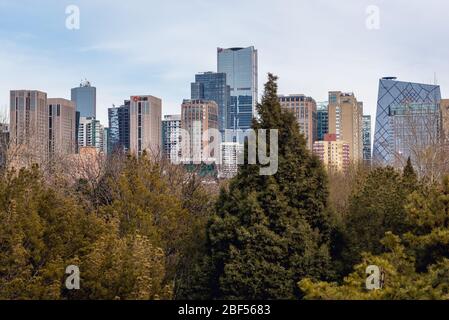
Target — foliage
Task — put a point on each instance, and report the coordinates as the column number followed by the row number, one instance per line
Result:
column 270, row 231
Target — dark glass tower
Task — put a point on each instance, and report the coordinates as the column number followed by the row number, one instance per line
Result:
column 119, row 127
column 396, row 100
column 212, row 86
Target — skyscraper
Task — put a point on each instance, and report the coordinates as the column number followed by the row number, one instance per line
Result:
column 240, row 66
column 90, row 133
column 345, row 121
column 322, row 119
column 85, row 98
column 119, row 127
column 212, row 86
column 61, row 126
column 171, row 137
column 304, row 110
column 145, row 119
column 367, row 154
column 29, row 124
column 197, row 117
column 396, row 100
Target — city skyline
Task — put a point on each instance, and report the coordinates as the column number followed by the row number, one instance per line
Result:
column 108, row 54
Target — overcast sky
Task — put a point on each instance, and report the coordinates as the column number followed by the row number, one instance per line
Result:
column 155, row 47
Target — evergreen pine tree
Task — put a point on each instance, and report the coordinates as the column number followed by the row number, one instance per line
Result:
column 271, row 231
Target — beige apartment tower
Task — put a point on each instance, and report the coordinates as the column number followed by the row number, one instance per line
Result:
column 304, row 109
column 29, row 126
column 145, row 118
column 197, row 117
column 346, row 121
column 61, row 130
column 334, row 154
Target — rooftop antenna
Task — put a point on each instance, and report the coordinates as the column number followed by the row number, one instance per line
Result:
column 435, row 78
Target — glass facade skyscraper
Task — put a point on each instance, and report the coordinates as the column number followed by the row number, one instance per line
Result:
column 85, row 98
column 322, row 120
column 394, row 97
column 240, row 67
column 119, row 127
column 212, row 86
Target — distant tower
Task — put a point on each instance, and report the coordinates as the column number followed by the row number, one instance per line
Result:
column 85, row 98
column 240, row 66
column 399, row 103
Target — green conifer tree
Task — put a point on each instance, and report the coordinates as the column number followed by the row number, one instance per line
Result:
column 271, row 231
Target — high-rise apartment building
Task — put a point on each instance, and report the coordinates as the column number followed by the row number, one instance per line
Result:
column 305, row 112
column 198, row 116
column 171, row 137
column 119, row 127
column 399, row 103
column 90, row 133
column 145, row 119
column 322, row 112
column 61, row 126
column 85, row 98
column 29, row 125
column 367, row 133
column 230, row 153
column 334, row 153
column 240, row 67
column 212, row 86
column 346, row 121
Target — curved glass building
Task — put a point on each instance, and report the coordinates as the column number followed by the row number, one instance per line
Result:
column 399, row 106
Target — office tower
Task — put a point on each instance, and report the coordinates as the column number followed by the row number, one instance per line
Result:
column 171, row 137
column 29, row 125
column 415, row 128
column 85, row 98
column 322, row 119
column 119, row 127
column 90, row 133
column 240, row 66
column 334, row 153
column 305, row 112
column 145, row 121
column 212, row 86
column 61, row 126
column 367, row 154
column 230, row 152
column 398, row 96
column 346, row 121
column 197, row 117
